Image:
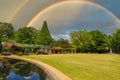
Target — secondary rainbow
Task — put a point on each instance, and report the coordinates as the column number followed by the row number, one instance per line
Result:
column 17, row 11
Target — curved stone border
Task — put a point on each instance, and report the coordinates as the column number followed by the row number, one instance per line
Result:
column 53, row 73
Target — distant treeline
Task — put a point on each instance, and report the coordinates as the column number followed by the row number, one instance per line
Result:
column 84, row 41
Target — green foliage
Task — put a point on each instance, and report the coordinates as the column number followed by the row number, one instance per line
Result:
column 61, row 43
column 93, row 41
column 44, row 37
column 20, row 53
column 41, row 52
column 81, row 39
column 101, row 42
column 115, row 42
column 26, row 35
column 6, row 32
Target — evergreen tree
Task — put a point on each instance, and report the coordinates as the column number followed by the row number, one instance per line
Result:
column 44, row 37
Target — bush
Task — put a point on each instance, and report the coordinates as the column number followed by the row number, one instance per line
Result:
column 41, row 52
column 20, row 53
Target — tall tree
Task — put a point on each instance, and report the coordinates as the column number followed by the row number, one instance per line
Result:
column 6, row 31
column 44, row 37
column 101, row 42
column 115, row 42
column 81, row 39
column 26, row 35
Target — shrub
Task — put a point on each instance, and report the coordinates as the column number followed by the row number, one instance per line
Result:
column 20, row 53
column 41, row 52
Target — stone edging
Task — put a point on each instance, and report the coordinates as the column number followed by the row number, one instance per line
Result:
column 51, row 71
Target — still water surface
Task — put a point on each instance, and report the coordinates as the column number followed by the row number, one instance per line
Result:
column 12, row 69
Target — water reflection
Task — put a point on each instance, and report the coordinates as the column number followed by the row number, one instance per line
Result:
column 12, row 69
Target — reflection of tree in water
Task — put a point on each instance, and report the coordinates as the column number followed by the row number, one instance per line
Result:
column 21, row 68
column 27, row 69
column 4, row 68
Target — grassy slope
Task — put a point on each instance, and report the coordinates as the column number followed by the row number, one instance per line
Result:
column 84, row 66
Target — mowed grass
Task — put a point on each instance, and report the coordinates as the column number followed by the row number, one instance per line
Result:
column 84, row 66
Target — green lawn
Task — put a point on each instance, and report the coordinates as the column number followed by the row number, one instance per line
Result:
column 84, row 66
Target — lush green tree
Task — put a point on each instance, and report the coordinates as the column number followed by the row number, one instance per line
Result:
column 101, row 42
column 61, row 43
column 81, row 39
column 115, row 42
column 26, row 35
column 6, row 31
column 44, row 37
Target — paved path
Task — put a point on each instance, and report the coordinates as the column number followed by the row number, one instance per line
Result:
column 51, row 71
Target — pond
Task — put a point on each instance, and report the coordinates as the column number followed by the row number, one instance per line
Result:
column 13, row 69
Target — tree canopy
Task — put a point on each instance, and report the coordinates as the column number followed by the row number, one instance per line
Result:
column 44, row 37
column 81, row 39
column 84, row 41
column 101, row 41
column 61, row 43
column 93, row 41
column 6, row 32
column 115, row 42
column 26, row 35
